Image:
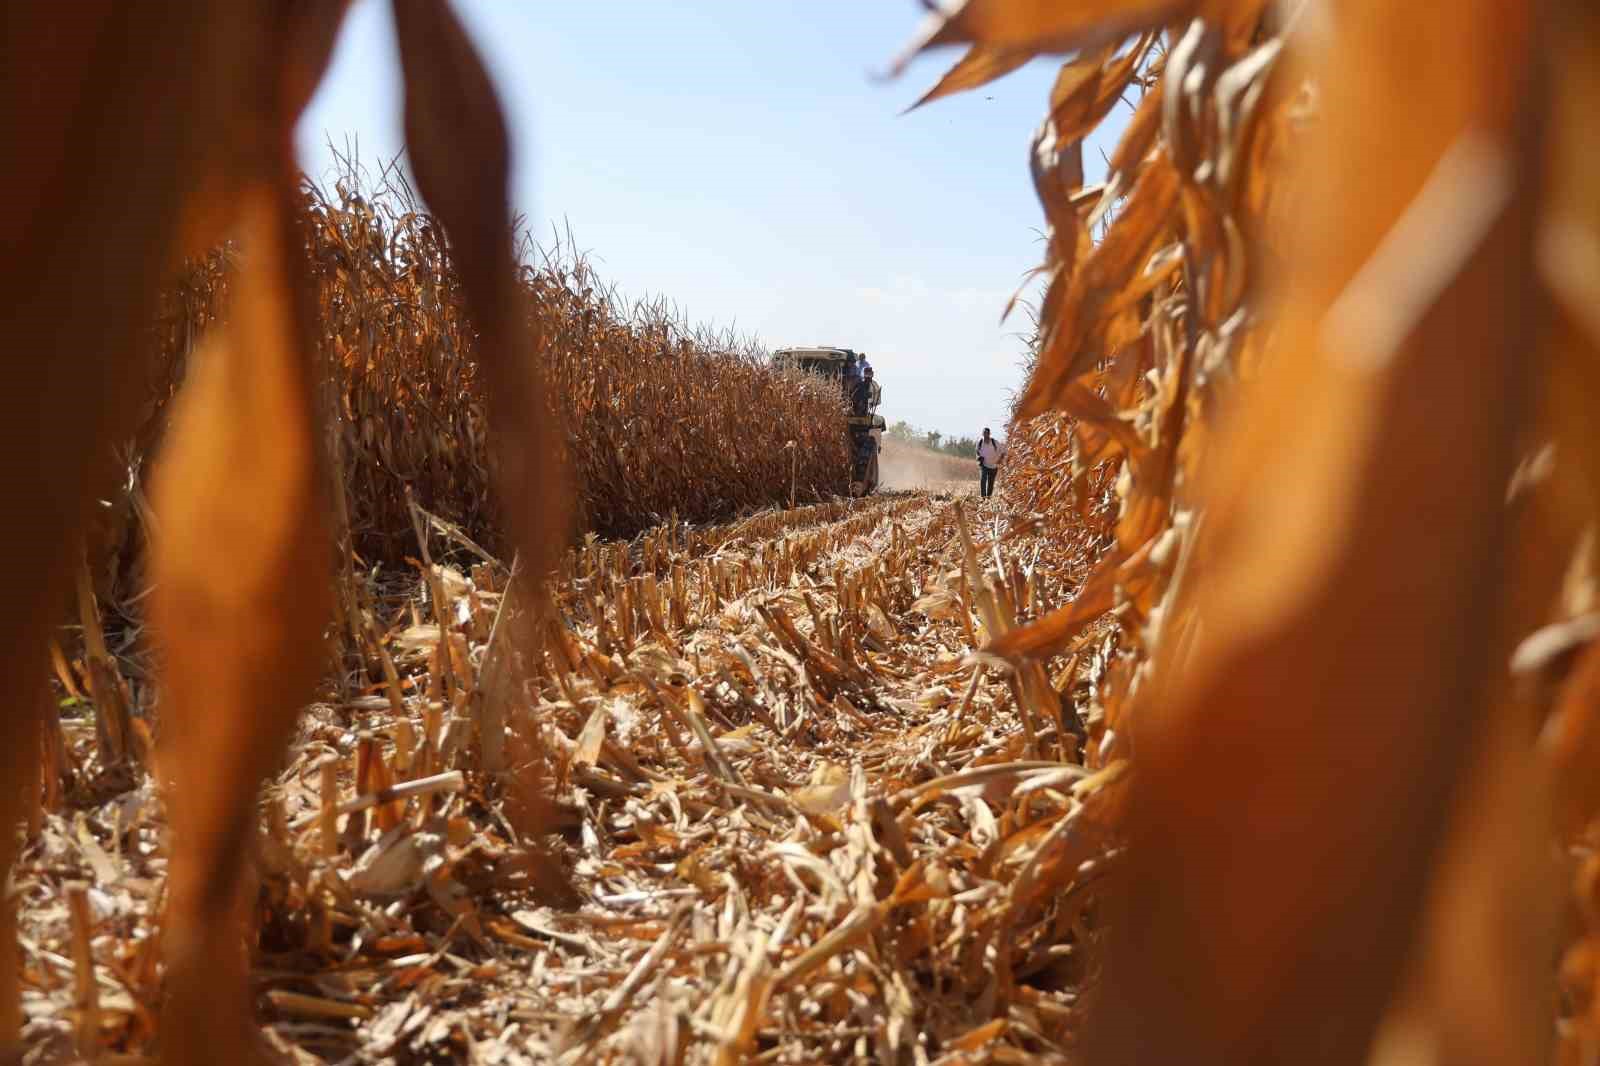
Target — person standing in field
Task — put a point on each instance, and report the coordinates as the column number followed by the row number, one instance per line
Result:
column 989, row 455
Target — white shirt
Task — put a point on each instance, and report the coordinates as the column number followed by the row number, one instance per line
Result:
column 989, row 452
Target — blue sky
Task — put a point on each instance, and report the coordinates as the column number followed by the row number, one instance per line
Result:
column 745, row 160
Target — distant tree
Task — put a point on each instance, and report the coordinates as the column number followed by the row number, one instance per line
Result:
column 962, row 447
column 934, row 440
column 903, row 430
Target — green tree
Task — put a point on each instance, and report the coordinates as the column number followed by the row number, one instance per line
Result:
column 962, row 447
column 934, row 440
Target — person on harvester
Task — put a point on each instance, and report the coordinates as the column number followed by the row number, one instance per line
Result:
column 861, row 399
column 851, row 375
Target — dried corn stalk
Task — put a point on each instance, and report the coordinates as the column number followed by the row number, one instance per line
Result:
column 1309, row 572
column 196, row 108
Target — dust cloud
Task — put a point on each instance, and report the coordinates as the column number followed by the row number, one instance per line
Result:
column 906, row 466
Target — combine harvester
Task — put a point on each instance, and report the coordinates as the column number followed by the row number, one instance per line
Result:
column 863, row 423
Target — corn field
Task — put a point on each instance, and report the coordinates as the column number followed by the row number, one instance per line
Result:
column 487, row 684
column 660, row 418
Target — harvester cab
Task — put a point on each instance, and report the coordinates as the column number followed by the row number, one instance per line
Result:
column 863, row 425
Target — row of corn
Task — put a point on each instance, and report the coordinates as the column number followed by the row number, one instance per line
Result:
column 661, row 417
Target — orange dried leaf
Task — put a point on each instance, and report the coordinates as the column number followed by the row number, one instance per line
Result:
column 977, row 68
column 1042, row 26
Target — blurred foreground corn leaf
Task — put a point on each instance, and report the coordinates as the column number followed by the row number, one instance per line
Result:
column 222, row 89
column 1312, row 364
